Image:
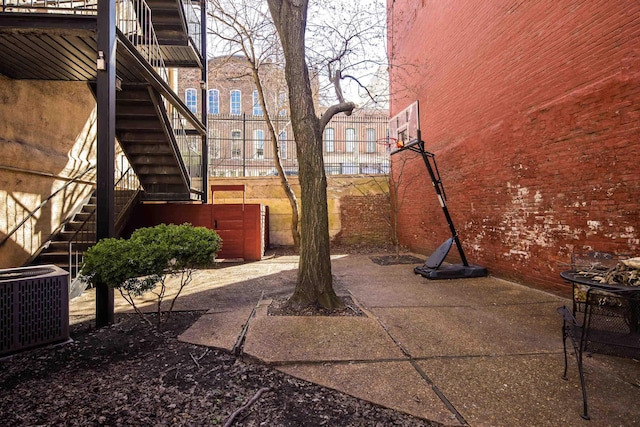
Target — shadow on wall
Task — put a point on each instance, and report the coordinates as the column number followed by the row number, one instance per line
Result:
column 48, row 133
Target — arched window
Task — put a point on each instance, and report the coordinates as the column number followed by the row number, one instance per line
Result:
column 191, row 99
column 350, row 138
column 283, row 144
column 214, row 101
column 258, row 138
column 236, row 144
column 236, row 102
column 257, row 108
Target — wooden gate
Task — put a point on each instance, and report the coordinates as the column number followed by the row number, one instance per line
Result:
column 228, row 221
column 244, row 228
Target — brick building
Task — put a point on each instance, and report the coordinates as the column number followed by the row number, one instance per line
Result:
column 533, row 112
column 231, row 90
column 238, row 138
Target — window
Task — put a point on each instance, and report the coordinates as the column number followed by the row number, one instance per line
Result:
column 329, row 138
column 350, row 137
column 214, row 144
column 282, row 104
column 191, row 99
column 236, row 144
column 258, row 139
column 236, row 104
column 257, row 109
column 371, row 140
column 283, row 144
column 214, row 101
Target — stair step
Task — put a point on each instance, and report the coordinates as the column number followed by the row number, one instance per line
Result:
column 76, row 225
column 82, row 215
column 54, row 258
column 153, row 160
column 62, row 246
column 133, row 94
column 126, row 125
column 158, row 169
column 133, row 149
column 133, row 110
column 66, row 235
column 131, row 137
column 148, row 180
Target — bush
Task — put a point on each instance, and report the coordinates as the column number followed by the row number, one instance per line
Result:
column 137, row 265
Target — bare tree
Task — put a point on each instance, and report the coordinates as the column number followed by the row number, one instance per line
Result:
column 246, row 28
column 346, row 46
column 314, row 283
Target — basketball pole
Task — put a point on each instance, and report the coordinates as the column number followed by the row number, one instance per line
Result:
column 433, row 267
column 437, row 185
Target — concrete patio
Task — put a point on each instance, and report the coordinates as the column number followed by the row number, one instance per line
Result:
column 482, row 352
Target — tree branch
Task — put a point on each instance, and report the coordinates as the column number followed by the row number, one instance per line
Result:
column 253, row 400
column 343, row 107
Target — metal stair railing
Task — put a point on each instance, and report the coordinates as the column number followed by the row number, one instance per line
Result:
column 194, row 29
column 126, row 190
column 76, row 7
column 33, row 213
column 133, row 19
column 190, row 146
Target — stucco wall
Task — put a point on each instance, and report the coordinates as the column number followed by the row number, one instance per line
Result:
column 533, row 112
column 47, row 134
column 345, row 195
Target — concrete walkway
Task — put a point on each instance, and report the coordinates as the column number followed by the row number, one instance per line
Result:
column 479, row 352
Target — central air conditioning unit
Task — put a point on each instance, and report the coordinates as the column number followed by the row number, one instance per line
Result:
column 34, row 307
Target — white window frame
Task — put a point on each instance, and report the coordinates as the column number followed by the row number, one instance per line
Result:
column 258, row 142
column 257, row 108
column 214, row 144
column 236, row 144
column 370, row 138
column 350, row 140
column 232, row 103
column 214, row 107
column 329, row 140
column 191, row 99
column 283, row 144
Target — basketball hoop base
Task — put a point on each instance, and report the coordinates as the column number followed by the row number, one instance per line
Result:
column 451, row 271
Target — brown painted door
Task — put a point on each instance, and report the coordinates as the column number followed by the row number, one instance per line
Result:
column 228, row 221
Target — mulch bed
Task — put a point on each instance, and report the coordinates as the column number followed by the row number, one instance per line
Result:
column 279, row 307
column 131, row 374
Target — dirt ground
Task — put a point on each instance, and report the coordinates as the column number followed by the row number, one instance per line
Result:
column 133, row 374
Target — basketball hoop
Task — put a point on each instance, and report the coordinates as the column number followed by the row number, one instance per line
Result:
column 389, row 142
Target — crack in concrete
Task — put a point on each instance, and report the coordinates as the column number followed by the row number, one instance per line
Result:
column 238, row 347
column 424, row 376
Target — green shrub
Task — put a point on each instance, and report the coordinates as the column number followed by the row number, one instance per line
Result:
column 137, row 265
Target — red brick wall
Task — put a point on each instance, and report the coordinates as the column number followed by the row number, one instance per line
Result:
column 533, row 112
column 364, row 220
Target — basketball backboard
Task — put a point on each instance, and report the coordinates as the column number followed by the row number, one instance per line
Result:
column 405, row 127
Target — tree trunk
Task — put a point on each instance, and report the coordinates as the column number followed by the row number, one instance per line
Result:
column 314, row 284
